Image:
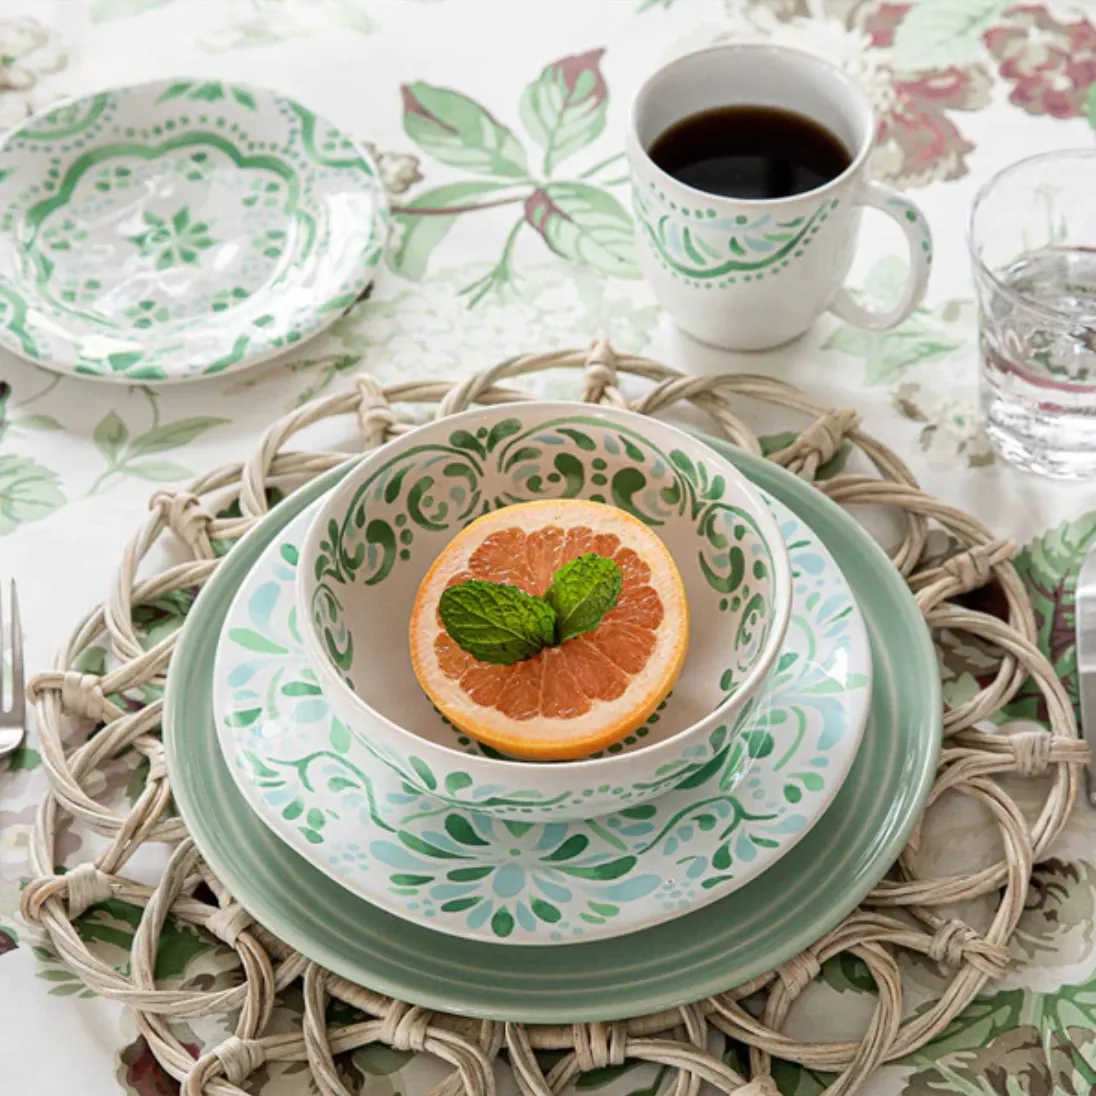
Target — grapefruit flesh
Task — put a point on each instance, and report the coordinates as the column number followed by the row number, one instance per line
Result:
column 573, row 699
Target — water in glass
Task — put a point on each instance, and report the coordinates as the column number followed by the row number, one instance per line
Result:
column 1034, row 255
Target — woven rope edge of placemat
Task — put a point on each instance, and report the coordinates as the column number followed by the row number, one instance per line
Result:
column 678, row 1038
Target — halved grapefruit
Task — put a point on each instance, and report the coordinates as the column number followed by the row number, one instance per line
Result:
column 570, row 700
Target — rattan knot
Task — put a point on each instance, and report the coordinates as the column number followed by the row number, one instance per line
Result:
column 759, row 1086
column 187, row 518
column 819, row 443
column 972, row 569
column 405, row 1027
column 602, row 385
column 228, row 922
column 81, row 694
column 1032, row 750
column 83, row 887
column 375, row 415
column 798, row 972
column 235, row 1060
column 599, row 1045
column 955, row 943
column 157, row 763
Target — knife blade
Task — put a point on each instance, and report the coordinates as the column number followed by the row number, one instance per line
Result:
column 1085, row 613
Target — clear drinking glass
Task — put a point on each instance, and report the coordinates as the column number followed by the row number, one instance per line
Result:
column 1033, row 244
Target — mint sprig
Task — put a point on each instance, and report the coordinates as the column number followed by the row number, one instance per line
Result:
column 496, row 622
column 499, row 623
column 582, row 592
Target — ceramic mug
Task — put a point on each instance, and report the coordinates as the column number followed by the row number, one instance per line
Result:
column 749, row 274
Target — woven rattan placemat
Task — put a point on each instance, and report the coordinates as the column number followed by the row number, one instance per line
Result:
column 901, row 914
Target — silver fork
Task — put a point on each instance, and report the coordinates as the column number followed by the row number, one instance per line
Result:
column 13, row 714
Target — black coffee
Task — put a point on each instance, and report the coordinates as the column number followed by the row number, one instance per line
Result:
column 750, row 152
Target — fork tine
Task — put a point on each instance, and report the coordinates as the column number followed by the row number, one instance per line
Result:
column 18, row 685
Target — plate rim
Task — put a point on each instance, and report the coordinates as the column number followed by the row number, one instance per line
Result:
column 369, row 266
column 560, row 1005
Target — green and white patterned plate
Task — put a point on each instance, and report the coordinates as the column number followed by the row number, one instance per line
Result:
column 775, row 916
column 530, row 881
column 180, row 229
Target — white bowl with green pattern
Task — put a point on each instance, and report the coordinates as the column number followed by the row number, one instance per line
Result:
column 375, row 537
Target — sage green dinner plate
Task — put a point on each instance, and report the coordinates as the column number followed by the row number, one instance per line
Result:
column 766, row 922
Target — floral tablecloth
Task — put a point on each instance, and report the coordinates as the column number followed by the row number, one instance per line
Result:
column 498, row 127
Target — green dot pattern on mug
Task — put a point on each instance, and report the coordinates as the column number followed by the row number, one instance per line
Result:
column 913, row 217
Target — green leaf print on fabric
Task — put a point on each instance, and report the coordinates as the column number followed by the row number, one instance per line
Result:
column 1059, row 917
column 39, row 422
column 557, row 304
column 793, row 1079
column 1048, row 567
column 1021, row 1062
column 847, row 973
column 128, row 455
column 458, row 131
column 1071, row 1009
column 110, row 436
column 977, row 1025
column 936, row 34
column 887, row 353
column 922, row 339
column 28, row 492
column 13, row 417
column 562, row 112
column 379, row 1060
column 23, row 760
column 157, row 471
column 172, row 435
column 352, row 15
column 356, row 1068
column 585, row 224
column 104, row 10
column 599, row 1078
column 425, row 221
column 268, row 22
column 114, row 923
column 564, row 109
column 1013, row 1043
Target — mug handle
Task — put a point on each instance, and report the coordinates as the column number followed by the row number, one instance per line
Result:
column 914, row 224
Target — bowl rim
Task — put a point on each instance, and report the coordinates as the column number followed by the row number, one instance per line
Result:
column 758, row 672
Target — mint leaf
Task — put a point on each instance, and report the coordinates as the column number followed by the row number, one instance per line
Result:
column 495, row 622
column 582, row 592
